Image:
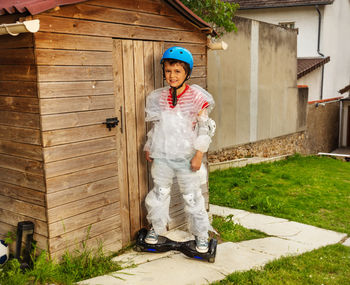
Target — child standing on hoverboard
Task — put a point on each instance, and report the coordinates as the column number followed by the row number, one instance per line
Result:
column 180, row 135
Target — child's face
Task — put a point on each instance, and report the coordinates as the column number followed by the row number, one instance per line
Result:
column 175, row 74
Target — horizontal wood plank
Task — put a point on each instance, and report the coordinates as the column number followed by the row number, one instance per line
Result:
column 71, row 165
column 92, row 230
column 21, row 164
column 22, row 135
column 21, row 41
column 21, row 149
column 84, row 205
column 149, row 6
column 19, row 178
column 17, row 119
column 76, row 104
column 78, row 149
column 93, row 28
column 81, row 192
column 18, row 88
column 18, row 72
column 201, row 81
column 80, row 178
column 112, row 15
column 20, row 56
column 13, row 218
column 69, row 57
column 195, row 49
column 72, row 89
column 19, row 104
column 77, row 119
column 199, row 71
column 23, row 208
column 23, row 194
column 58, row 137
column 111, row 241
column 74, row 73
column 72, row 42
column 82, row 220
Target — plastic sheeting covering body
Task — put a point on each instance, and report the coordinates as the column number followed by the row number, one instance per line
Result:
column 177, row 133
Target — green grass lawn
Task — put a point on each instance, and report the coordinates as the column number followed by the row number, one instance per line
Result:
column 329, row 265
column 311, row 190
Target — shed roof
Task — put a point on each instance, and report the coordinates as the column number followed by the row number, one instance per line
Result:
column 306, row 65
column 34, row 7
column 261, row 4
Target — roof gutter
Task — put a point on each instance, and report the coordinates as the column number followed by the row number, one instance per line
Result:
column 318, row 46
column 15, row 29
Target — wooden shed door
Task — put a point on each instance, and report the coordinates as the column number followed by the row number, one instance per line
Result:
column 136, row 72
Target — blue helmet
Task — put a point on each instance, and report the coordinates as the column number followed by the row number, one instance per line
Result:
column 178, row 53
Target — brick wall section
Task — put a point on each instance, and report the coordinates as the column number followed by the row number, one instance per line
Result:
column 321, row 135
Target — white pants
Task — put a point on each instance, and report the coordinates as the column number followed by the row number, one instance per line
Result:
column 158, row 200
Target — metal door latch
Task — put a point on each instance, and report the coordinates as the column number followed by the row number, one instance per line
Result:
column 111, row 123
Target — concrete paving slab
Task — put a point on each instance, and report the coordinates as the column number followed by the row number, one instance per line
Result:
column 347, row 242
column 283, row 228
column 232, row 257
column 244, row 218
column 173, row 270
column 276, row 246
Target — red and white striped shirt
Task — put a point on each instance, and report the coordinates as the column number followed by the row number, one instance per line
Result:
column 191, row 101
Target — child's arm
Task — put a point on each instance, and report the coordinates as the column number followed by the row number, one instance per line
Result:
column 205, row 132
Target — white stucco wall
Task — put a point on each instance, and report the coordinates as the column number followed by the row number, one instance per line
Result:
column 335, row 42
column 306, row 21
column 313, row 81
column 335, row 38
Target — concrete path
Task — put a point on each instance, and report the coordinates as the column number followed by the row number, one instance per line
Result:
column 286, row 238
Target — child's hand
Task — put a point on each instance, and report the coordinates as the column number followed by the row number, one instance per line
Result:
column 148, row 158
column 196, row 161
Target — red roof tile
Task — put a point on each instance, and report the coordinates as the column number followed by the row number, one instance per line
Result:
column 260, row 4
column 306, row 65
column 34, row 7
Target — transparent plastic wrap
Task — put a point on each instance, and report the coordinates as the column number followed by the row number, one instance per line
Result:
column 207, row 96
column 157, row 201
column 174, row 134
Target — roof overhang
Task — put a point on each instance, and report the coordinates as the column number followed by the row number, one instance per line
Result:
column 263, row 4
column 34, row 7
column 307, row 65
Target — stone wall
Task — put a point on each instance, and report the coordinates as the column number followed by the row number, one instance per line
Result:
column 321, row 135
column 283, row 145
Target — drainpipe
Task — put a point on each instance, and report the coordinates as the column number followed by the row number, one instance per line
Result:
column 15, row 29
column 318, row 46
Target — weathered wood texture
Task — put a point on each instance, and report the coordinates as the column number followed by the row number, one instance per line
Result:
column 22, row 183
column 55, row 94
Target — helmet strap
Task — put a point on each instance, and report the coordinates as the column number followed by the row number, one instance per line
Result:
column 174, row 91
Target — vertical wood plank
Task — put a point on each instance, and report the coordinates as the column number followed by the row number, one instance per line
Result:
column 131, row 136
column 141, row 126
column 158, row 72
column 149, row 87
column 121, row 141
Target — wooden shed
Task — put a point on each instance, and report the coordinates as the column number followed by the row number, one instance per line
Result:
column 60, row 166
